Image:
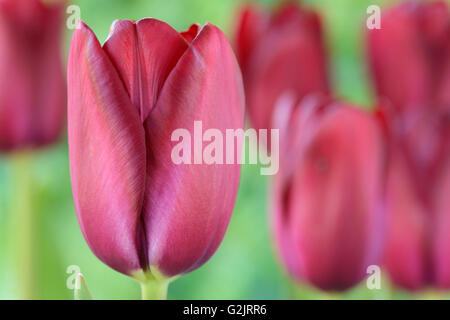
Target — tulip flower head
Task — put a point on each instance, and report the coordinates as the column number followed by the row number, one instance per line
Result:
column 279, row 53
column 410, row 62
column 32, row 86
column 139, row 212
column 328, row 216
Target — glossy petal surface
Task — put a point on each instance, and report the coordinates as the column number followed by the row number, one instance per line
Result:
column 107, row 155
column 188, row 207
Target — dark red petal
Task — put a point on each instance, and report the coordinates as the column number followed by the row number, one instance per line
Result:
column 188, row 207
column 434, row 21
column 407, row 253
column 250, row 29
column 31, row 110
column 107, row 155
column 398, row 60
column 443, row 90
column 441, row 236
column 49, row 118
column 191, row 33
column 286, row 61
column 144, row 53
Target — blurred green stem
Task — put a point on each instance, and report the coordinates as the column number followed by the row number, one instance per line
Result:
column 432, row 294
column 22, row 233
column 154, row 290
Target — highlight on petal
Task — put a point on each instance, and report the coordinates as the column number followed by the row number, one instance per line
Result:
column 107, row 155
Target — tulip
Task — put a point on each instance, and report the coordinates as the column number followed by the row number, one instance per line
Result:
column 410, row 63
column 32, row 86
column 140, row 213
column 279, row 53
column 328, row 212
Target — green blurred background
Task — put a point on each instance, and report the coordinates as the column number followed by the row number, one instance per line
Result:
column 245, row 266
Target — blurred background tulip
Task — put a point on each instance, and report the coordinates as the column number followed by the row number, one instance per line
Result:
column 33, row 89
column 328, row 199
column 410, row 62
column 32, row 115
column 140, row 213
column 280, row 52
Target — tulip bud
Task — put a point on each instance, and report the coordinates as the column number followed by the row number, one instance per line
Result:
column 32, row 86
column 138, row 211
column 410, row 60
column 279, row 53
column 328, row 195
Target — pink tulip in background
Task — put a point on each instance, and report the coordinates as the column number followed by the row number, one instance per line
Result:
column 32, row 85
column 410, row 62
column 139, row 212
column 279, row 53
column 328, row 214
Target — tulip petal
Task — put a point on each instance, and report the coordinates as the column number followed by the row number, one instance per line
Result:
column 288, row 59
column 250, row 30
column 441, row 235
column 50, row 95
column 191, row 33
column 187, row 208
column 411, row 67
column 144, row 53
column 107, row 155
column 398, row 61
column 16, row 90
column 407, row 254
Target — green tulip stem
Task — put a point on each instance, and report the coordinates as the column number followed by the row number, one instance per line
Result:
column 154, row 290
column 22, row 223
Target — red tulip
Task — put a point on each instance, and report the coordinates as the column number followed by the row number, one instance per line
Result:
column 328, row 214
column 279, row 53
column 32, row 86
column 139, row 211
column 410, row 59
